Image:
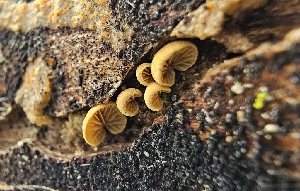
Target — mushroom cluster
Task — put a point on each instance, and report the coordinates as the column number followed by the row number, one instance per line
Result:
column 159, row 76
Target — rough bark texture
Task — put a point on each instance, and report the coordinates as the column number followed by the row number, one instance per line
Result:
column 235, row 128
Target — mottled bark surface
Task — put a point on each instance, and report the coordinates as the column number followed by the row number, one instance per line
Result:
column 235, row 127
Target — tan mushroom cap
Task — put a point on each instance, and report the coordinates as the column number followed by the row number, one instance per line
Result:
column 152, row 96
column 143, row 74
column 179, row 55
column 100, row 116
column 126, row 101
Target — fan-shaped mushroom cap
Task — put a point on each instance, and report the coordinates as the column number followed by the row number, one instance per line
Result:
column 126, row 101
column 99, row 116
column 152, row 98
column 143, row 74
column 179, row 55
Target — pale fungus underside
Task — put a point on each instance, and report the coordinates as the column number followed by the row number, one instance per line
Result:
column 179, row 55
column 5, row 108
column 100, row 116
column 143, row 74
column 126, row 102
column 35, row 92
column 152, row 96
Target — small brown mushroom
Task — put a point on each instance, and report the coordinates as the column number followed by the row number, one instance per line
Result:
column 152, row 96
column 179, row 55
column 99, row 116
column 143, row 74
column 126, row 101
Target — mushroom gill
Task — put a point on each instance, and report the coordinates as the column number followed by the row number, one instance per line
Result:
column 179, row 55
column 126, row 101
column 152, row 96
column 143, row 74
column 98, row 117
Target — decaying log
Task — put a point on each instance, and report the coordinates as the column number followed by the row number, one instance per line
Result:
column 235, row 24
column 227, row 101
column 88, row 65
column 236, row 129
